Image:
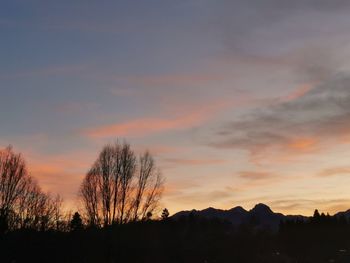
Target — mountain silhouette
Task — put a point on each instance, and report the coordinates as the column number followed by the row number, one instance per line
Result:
column 345, row 214
column 260, row 216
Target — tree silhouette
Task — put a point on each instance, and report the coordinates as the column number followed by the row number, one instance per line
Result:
column 316, row 214
column 76, row 223
column 120, row 187
column 14, row 178
column 165, row 214
column 149, row 216
column 22, row 203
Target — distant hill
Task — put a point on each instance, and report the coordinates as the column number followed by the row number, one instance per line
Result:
column 346, row 214
column 261, row 216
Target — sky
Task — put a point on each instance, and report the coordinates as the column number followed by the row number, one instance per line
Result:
column 240, row 102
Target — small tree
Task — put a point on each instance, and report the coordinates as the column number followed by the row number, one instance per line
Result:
column 316, row 214
column 76, row 223
column 165, row 214
column 149, row 216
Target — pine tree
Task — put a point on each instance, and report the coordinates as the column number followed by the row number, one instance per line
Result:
column 76, row 223
column 165, row 214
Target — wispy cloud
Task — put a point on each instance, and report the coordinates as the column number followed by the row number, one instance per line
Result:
column 252, row 175
column 152, row 125
column 303, row 125
column 334, row 171
column 146, row 126
column 301, row 91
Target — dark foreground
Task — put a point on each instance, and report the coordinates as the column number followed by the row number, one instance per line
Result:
column 187, row 240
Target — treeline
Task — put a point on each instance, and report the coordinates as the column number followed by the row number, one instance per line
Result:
column 188, row 239
column 120, row 187
column 321, row 237
column 120, row 195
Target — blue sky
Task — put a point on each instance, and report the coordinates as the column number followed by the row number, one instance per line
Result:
column 240, row 102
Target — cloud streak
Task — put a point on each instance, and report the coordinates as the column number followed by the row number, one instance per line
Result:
column 334, row 172
column 152, row 125
column 255, row 176
column 305, row 124
column 146, row 126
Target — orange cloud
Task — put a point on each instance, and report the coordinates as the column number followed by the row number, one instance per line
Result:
column 147, row 126
column 178, row 187
column 285, row 150
column 302, row 144
column 255, row 179
column 251, row 175
column 334, row 171
column 60, row 173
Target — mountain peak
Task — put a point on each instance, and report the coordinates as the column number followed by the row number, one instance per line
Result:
column 261, row 213
column 209, row 209
column 238, row 209
column 261, row 208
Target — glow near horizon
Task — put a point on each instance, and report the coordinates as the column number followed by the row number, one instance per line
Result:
column 240, row 102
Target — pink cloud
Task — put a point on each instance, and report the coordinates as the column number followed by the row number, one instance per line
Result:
column 60, row 173
column 300, row 91
column 152, row 125
column 145, row 126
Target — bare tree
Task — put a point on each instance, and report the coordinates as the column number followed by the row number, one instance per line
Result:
column 22, row 203
column 116, row 178
column 128, row 168
column 119, row 188
column 58, row 216
column 148, row 186
column 90, row 197
column 27, row 204
column 103, row 184
column 13, row 181
column 154, row 194
column 36, row 209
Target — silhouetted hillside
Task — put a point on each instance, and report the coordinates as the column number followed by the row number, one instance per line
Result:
column 345, row 214
column 317, row 239
column 260, row 216
column 210, row 235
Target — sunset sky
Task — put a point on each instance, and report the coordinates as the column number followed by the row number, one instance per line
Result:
column 241, row 102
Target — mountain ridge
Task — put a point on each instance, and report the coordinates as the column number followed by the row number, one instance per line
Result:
column 261, row 215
